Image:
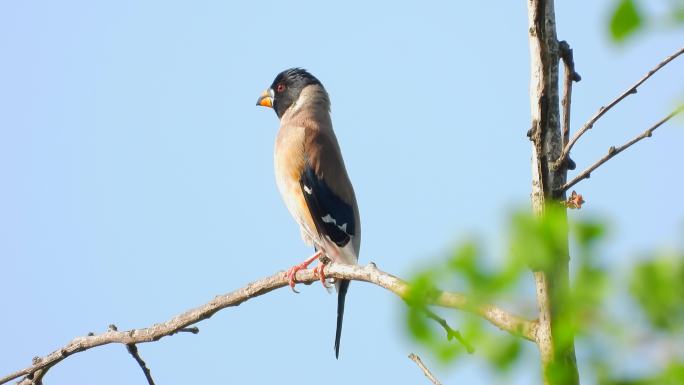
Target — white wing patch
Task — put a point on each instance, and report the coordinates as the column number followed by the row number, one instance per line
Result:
column 330, row 219
column 307, row 189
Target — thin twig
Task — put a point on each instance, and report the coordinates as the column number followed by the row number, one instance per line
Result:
column 631, row 90
column 570, row 76
column 424, row 368
column 451, row 333
column 136, row 355
column 612, row 151
column 370, row 273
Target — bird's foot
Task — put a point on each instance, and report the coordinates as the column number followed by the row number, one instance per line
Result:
column 291, row 273
column 318, row 271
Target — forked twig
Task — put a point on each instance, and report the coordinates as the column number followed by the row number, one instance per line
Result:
column 612, row 151
column 601, row 111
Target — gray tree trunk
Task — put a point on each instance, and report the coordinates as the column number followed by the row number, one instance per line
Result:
column 557, row 358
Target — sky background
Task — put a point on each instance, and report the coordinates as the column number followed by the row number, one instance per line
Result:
column 136, row 176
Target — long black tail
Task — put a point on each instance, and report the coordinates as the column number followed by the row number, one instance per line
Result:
column 341, row 294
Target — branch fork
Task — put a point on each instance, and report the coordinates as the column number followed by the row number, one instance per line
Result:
column 603, row 109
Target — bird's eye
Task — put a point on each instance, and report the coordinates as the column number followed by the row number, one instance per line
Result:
column 280, row 87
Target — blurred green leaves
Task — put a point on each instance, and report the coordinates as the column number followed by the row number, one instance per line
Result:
column 672, row 374
column 626, row 20
column 422, row 291
column 533, row 243
column 657, row 285
column 629, row 17
column 538, row 241
column 590, row 280
column 584, row 311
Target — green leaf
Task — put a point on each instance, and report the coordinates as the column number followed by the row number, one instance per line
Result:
column 503, row 352
column 465, row 261
column 588, row 232
column 678, row 14
column 658, row 286
column 625, row 21
column 538, row 241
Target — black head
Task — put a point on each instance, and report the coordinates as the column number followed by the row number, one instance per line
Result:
column 285, row 89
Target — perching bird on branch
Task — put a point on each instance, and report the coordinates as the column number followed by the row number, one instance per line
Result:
column 312, row 179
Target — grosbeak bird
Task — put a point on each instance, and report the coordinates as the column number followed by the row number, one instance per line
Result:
column 312, row 179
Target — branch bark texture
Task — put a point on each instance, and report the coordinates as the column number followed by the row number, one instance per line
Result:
column 547, row 144
column 370, row 273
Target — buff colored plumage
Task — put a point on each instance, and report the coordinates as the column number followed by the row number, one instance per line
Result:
column 311, row 176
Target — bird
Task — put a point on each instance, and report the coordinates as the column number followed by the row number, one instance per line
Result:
column 312, row 178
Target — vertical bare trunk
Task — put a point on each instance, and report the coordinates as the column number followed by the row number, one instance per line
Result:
column 557, row 357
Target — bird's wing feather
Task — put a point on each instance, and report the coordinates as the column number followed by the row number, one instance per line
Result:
column 325, row 184
column 331, row 215
column 313, row 180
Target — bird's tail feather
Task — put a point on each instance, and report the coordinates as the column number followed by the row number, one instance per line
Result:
column 341, row 294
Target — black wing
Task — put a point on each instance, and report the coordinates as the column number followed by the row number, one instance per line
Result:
column 332, row 216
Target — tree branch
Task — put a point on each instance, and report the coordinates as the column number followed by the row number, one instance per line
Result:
column 370, row 273
column 424, row 368
column 36, row 378
column 631, row 90
column 548, row 144
column 136, row 356
column 570, row 76
column 612, row 151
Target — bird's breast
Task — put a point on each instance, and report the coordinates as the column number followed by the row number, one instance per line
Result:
column 289, row 163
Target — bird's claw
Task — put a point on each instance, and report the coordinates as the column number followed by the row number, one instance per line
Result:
column 318, row 271
column 291, row 275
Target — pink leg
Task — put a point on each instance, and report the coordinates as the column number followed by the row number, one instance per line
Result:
column 292, row 272
column 318, row 270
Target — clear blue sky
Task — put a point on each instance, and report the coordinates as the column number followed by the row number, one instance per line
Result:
column 137, row 180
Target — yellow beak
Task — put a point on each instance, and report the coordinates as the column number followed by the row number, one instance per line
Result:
column 266, row 99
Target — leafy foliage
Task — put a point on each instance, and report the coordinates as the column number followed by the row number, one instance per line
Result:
column 658, row 286
column 629, row 17
column 625, row 21
column 585, row 311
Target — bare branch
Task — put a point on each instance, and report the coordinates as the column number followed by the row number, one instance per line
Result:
column 612, row 151
column 424, row 368
column 37, row 377
column 370, row 273
column 136, row 355
column 570, row 76
column 632, row 90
